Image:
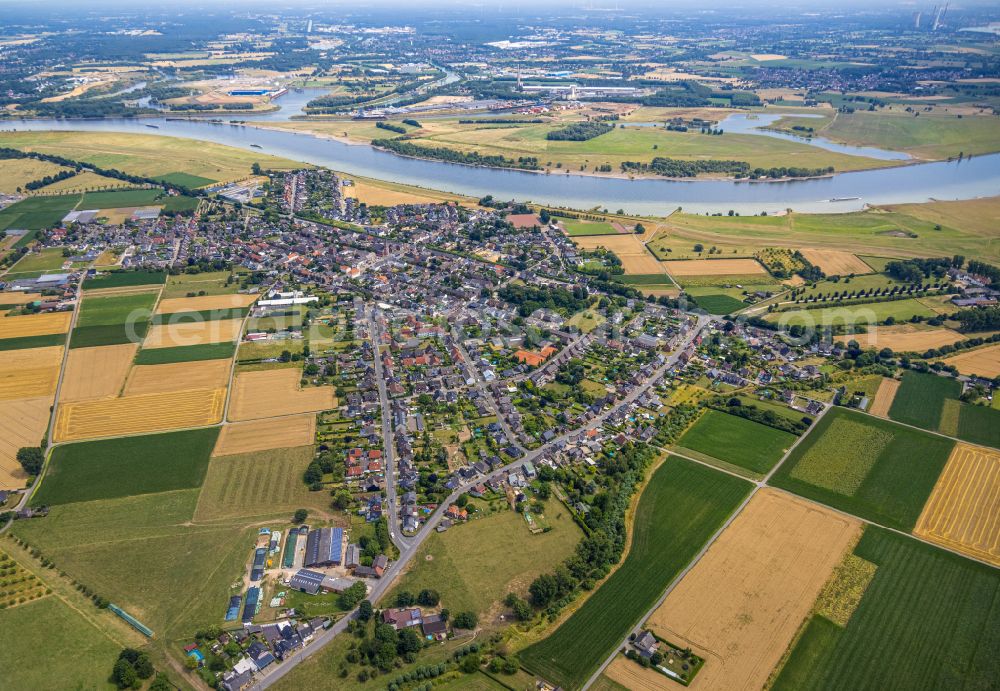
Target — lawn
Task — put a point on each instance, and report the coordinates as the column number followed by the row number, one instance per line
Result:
column 867, row 466
column 126, row 466
column 74, row 650
column 36, row 213
column 738, row 441
column 206, row 351
column 50, row 259
column 477, row 584
column 122, row 279
column 904, row 633
column 683, row 505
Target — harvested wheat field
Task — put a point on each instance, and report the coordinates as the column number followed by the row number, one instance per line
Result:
column 714, row 267
column 963, row 511
column 96, row 372
column 743, row 602
column 636, row 259
column 276, row 392
column 35, row 324
column 204, row 302
column 23, row 422
column 30, row 372
column 884, row 397
column 177, row 376
column 263, row 435
column 907, row 337
column 984, row 362
column 192, row 333
column 139, row 414
column 18, row 298
column 836, row 262
column 629, row 674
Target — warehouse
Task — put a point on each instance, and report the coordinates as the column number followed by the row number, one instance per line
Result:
column 324, row 547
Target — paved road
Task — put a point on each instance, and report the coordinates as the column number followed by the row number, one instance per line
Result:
column 381, row 586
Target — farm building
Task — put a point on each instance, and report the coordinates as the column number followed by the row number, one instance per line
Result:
column 312, row 582
column 250, row 606
column 324, row 547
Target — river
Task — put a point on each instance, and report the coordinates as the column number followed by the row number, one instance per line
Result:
column 974, row 177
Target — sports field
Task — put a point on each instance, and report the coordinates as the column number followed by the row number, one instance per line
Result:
column 963, row 511
column 737, row 441
column 25, row 325
column 261, row 435
column 836, row 262
column 188, row 333
column 270, row 393
column 983, row 362
column 139, row 414
column 23, row 422
column 204, row 302
column 867, row 466
column 126, row 466
column 178, row 376
column 681, row 507
column 30, row 373
column 479, row 585
column 741, row 605
column 96, row 372
column 904, row 634
column 258, row 483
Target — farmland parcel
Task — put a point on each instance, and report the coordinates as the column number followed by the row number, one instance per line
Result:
column 204, row 302
column 29, row 373
column 681, row 507
column 261, row 435
column 741, row 605
column 23, row 422
column 737, row 441
column 188, row 333
column 35, row 324
column 180, row 376
column 276, row 392
column 96, row 372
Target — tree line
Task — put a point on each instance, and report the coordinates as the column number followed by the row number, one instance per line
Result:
column 472, row 158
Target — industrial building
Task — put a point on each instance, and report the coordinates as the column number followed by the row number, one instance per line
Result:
column 324, row 547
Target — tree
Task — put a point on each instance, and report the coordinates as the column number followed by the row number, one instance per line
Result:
column 31, row 459
column 143, row 667
column 408, row 642
column 404, row 598
column 300, row 516
column 469, row 664
column 353, row 595
column 428, row 598
column 465, row 620
column 161, row 683
column 255, row 168
column 365, row 610
column 124, row 675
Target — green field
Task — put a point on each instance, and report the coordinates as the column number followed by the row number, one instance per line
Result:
column 866, row 313
column 121, row 279
column 126, row 466
column 250, row 352
column 738, row 441
column 32, row 341
column 207, row 351
column 717, row 303
column 930, row 136
column 683, row 505
column 263, row 483
column 84, row 654
column 932, row 402
column 185, row 180
column 201, row 316
column 928, row 620
column 867, row 466
column 577, row 228
column 115, row 309
column 476, row 585
column 36, row 213
column 50, row 259
column 209, row 283
column 108, row 334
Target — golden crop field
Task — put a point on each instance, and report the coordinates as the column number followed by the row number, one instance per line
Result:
column 629, row 674
column 270, row 393
column 836, row 262
column 963, row 511
column 636, row 259
column 23, row 422
column 743, row 602
column 29, row 372
column 887, row 389
column 177, row 376
column 714, row 267
column 139, row 414
column 96, row 372
column 907, row 337
column 262, row 435
column 18, row 298
column 984, row 362
column 192, row 333
column 35, row 324
column 204, row 302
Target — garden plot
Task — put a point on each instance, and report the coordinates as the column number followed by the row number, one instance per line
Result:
column 261, row 435
column 96, row 372
column 742, row 603
column 963, row 511
column 271, row 393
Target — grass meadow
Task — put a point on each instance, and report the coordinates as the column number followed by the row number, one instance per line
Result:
column 737, row 441
column 905, row 634
column 867, row 466
column 681, row 507
column 122, row 279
